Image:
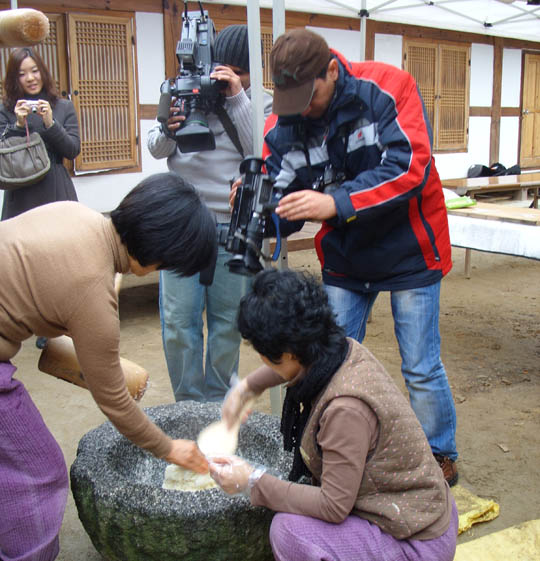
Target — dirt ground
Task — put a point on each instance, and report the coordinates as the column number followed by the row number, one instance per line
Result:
column 490, row 328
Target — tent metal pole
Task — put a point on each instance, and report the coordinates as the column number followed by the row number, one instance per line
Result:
column 255, row 72
column 278, row 18
column 363, row 25
column 278, row 28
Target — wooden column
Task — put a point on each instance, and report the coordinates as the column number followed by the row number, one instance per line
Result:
column 495, row 133
column 172, row 26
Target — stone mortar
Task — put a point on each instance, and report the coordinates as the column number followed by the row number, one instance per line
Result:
column 129, row 516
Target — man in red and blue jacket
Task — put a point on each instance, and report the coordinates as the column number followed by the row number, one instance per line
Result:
column 350, row 146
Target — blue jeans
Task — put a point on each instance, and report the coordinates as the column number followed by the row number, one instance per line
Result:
column 182, row 301
column 416, row 325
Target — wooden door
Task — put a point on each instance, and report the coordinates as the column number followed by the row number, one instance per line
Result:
column 530, row 113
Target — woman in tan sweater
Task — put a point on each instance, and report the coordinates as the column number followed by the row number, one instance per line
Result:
column 377, row 492
column 58, row 264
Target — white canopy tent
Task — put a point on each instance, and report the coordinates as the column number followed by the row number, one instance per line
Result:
column 519, row 19
column 505, row 18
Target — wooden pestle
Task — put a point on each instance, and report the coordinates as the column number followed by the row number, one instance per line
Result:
column 59, row 359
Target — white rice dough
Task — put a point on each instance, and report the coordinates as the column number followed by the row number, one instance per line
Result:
column 180, row 479
column 217, row 440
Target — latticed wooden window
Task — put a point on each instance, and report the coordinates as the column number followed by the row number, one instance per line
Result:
column 103, row 86
column 266, row 38
column 100, row 70
column 442, row 74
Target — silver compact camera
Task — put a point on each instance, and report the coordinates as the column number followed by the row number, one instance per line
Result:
column 32, row 105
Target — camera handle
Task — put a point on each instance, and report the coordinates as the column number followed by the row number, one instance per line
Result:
column 164, row 107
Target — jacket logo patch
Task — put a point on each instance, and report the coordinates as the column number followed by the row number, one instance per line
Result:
column 364, row 135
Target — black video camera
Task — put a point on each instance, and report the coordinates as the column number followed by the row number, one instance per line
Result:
column 253, row 206
column 196, row 93
column 329, row 180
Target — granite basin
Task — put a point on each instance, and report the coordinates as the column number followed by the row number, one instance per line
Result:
column 118, row 491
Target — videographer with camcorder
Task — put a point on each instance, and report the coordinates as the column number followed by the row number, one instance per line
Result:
column 228, row 121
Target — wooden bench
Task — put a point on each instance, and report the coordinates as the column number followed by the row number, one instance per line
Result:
column 474, row 186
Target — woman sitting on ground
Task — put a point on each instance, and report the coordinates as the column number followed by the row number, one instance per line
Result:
column 377, row 493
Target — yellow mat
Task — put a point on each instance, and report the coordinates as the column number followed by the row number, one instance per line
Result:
column 473, row 509
column 517, row 543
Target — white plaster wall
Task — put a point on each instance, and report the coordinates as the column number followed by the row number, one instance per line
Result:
column 481, row 89
column 345, row 41
column 150, row 49
column 389, row 49
column 509, row 141
column 456, row 165
column 511, row 78
column 104, row 192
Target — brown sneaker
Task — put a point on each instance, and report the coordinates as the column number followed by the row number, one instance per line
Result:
column 449, row 469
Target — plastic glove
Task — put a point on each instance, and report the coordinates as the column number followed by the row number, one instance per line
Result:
column 236, row 403
column 234, row 475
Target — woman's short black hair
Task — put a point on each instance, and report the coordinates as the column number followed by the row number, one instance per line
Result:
column 288, row 311
column 164, row 221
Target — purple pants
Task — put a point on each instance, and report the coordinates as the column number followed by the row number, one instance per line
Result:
column 33, row 477
column 302, row 538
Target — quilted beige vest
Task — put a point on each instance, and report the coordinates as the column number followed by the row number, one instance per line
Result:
column 402, row 489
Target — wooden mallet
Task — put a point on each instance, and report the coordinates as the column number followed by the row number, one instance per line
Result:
column 22, row 27
column 58, row 358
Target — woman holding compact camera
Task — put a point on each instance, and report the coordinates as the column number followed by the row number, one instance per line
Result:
column 31, row 104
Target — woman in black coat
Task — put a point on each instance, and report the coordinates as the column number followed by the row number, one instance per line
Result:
column 28, row 79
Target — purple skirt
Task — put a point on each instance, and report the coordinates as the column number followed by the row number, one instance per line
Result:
column 33, row 477
column 302, row 538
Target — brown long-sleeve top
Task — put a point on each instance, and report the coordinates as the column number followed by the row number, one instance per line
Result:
column 57, row 268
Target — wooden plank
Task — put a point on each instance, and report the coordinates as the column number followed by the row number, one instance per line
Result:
column 416, row 31
column 147, row 111
column 119, row 7
column 505, row 213
column 495, row 131
column 521, row 180
column 475, row 185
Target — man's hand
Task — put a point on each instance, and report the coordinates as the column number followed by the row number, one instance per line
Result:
column 226, row 74
column 232, row 193
column 174, row 122
column 186, row 453
column 306, row 205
